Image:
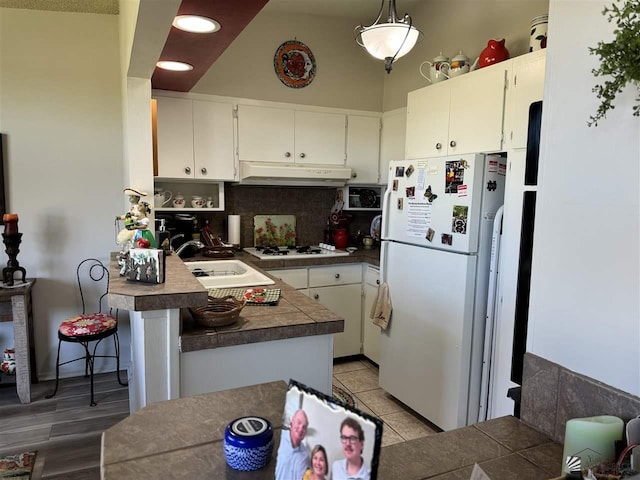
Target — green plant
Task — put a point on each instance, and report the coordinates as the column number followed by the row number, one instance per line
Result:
column 619, row 59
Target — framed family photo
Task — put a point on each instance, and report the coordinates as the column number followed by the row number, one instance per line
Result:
column 325, row 439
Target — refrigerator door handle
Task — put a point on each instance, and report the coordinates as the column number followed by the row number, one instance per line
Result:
column 384, row 227
column 384, row 230
column 488, row 356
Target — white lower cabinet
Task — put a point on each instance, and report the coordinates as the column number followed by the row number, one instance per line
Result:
column 344, row 300
column 370, row 332
column 338, row 288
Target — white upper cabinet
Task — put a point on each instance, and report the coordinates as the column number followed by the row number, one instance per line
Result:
column 525, row 87
column 213, row 140
column 265, row 134
column 195, row 139
column 363, row 148
column 268, row 134
column 457, row 116
column 427, row 121
column 175, row 137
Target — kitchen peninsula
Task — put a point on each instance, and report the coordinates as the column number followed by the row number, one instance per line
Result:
column 173, row 358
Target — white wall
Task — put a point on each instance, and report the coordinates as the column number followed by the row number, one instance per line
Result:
column 61, row 110
column 346, row 77
column 585, row 294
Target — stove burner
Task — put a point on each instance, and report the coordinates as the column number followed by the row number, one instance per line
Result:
column 274, row 250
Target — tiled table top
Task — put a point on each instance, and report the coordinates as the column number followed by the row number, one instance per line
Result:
column 183, row 439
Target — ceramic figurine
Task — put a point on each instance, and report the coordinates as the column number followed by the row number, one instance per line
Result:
column 136, row 231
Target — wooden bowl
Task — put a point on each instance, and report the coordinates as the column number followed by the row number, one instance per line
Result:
column 219, row 312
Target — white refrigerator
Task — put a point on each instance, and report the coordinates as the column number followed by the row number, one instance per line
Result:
column 436, row 245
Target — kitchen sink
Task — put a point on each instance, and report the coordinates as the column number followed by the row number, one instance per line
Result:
column 227, row 274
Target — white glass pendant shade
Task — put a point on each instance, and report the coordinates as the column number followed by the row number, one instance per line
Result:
column 385, row 40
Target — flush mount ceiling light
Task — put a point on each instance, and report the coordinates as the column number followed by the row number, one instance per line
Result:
column 388, row 41
column 174, row 66
column 196, row 24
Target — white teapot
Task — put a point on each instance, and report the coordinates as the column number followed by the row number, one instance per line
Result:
column 438, row 70
column 459, row 65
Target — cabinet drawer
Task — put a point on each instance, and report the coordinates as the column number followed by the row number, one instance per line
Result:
column 372, row 276
column 335, row 275
column 296, row 277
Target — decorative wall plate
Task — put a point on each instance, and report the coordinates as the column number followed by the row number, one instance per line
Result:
column 294, row 64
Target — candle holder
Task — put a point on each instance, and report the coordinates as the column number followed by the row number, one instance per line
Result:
column 12, row 243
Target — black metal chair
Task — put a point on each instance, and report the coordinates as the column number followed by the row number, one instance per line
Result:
column 89, row 327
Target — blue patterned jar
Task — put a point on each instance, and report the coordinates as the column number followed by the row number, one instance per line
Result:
column 248, row 443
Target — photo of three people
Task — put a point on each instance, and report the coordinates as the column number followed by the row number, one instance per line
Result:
column 324, row 440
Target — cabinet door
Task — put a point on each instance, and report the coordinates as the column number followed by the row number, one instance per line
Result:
column 265, row 134
column 427, row 121
column 392, row 140
column 476, row 111
column 363, row 148
column 526, row 87
column 346, row 301
column 213, row 140
column 370, row 332
column 320, row 138
column 175, row 137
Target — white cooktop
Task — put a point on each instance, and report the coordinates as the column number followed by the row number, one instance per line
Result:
column 293, row 254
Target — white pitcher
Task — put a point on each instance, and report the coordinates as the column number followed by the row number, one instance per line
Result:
column 160, row 199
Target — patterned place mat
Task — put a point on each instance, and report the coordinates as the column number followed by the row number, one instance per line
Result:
column 253, row 296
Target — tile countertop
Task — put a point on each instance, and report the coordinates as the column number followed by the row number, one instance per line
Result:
column 183, row 439
column 296, row 315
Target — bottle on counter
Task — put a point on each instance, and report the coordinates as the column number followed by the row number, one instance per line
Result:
column 163, row 236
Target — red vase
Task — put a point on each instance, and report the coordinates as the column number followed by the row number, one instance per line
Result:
column 341, row 238
column 494, row 52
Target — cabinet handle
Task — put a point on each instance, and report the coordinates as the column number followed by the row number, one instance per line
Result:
column 377, row 282
column 203, row 171
column 452, row 143
column 354, row 174
column 337, row 275
column 187, row 170
column 302, row 155
column 287, row 154
column 438, row 146
column 316, row 296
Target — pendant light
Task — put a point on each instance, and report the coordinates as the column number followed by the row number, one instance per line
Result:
column 388, row 41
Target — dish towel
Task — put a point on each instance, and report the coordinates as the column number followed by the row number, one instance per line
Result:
column 381, row 308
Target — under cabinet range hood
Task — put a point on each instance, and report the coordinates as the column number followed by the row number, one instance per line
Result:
column 261, row 173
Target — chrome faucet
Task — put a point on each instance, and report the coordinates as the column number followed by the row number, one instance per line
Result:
column 195, row 243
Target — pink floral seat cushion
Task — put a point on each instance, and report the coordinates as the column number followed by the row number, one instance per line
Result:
column 89, row 324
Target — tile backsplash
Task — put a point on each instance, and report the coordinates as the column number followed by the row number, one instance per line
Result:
column 553, row 394
column 310, row 205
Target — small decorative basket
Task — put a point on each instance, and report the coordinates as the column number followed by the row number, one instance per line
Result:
column 219, row 312
column 248, row 443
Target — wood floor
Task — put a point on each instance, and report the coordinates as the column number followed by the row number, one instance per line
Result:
column 64, row 430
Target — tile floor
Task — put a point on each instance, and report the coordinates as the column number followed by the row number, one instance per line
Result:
column 360, row 378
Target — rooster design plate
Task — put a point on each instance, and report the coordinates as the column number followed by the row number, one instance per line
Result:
column 294, row 63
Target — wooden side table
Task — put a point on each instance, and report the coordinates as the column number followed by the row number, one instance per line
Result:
column 16, row 307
